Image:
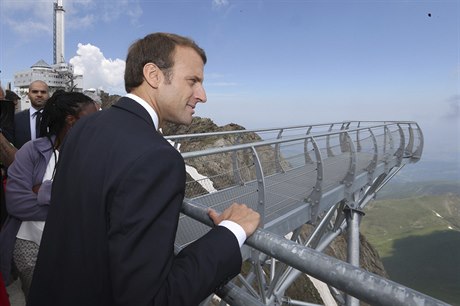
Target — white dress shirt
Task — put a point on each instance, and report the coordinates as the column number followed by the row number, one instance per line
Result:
column 33, row 118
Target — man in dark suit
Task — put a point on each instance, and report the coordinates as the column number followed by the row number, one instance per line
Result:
column 26, row 121
column 109, row 236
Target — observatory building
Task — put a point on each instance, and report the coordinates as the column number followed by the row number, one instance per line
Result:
column 59, row 75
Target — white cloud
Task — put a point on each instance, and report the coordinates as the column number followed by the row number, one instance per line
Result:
column 79, row 23
column 98, row 71
column 112, row 10
column 27, row 18
column 216, row 4
column 28, row 28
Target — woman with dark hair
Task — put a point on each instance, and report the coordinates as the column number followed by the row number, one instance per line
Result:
column 28, row 187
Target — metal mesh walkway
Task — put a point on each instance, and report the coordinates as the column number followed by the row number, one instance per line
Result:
column 290, row 170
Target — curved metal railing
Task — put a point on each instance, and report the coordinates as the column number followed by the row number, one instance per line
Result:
column 293, row 176
column 343, row 161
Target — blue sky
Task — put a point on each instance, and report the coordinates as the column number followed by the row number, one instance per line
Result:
column 272, row 63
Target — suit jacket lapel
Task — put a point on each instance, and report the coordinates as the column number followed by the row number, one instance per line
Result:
column 28, row 124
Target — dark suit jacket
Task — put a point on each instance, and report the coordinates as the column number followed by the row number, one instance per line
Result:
column 7, row 119
column 21, row 128
column 113, row 217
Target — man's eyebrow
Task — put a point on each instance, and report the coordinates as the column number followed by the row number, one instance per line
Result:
column 196, row 78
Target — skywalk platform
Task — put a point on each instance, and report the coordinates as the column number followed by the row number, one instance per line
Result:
column 322, row 175
column 291, row 184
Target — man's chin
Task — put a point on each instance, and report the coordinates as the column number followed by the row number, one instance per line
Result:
column 181, row 121
column 187, row 122
column 39, row 104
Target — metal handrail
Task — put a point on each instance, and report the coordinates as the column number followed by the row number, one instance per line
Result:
column 383, row 159
column 355, row 281
column 231, row 148
column 315, row 196
column 293, row 127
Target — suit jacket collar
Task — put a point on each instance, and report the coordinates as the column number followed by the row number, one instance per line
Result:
column 132, row 106
column 32, row 110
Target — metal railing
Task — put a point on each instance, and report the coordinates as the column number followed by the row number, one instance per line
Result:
column 344, row 161
column 315, row 174
column 364, row 285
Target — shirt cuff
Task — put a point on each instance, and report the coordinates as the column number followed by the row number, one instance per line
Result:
column 236, row 229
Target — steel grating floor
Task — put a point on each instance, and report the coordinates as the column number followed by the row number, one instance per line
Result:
column 284, row 192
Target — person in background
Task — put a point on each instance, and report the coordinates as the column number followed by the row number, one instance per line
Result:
column 26, row 122
column 110, row 232
column 3, row 294
column 7, row 114
column 7, row 150
column 12, row 96
column 29, row 182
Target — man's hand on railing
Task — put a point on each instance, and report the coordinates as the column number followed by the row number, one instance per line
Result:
column 247, row 218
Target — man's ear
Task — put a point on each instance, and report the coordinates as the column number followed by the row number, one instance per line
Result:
column 152, row 74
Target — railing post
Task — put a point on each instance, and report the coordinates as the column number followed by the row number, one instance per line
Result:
column 260, row 187
column 342, row 137
column 410, row 143
column 353, row 221
column 387, row 151
column 328, row 143
column 351, row 173
column 236, row 169
column 400, row 151
column 373, row 164
column 418, row 152
column 308, row 159
column 315, row 196
column 278, row 154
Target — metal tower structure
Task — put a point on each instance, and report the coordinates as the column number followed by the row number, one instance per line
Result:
column 58, row 33
column 59, row 75
column 322, row 175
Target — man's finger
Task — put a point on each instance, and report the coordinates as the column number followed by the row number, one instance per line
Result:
column 213, row 215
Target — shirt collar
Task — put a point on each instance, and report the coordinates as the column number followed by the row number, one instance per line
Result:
column 32, row 111
column 147, row 107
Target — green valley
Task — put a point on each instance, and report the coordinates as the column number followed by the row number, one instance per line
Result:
column 418, row 237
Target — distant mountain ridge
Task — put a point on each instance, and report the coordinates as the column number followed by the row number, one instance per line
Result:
column 397, row 190
column 430, row 170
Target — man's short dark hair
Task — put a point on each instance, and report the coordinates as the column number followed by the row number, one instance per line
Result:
column 157, row 48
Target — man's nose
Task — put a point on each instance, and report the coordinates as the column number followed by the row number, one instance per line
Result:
column 200, row 94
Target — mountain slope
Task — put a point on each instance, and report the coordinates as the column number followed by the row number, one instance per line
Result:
column 418, row 239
